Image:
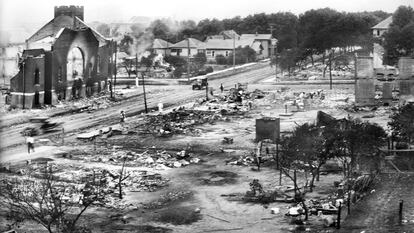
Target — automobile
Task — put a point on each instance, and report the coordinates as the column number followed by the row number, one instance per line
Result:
column 41, row 125
column 199, row 84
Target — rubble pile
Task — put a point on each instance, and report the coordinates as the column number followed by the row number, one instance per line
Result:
column 139, row 181
column 168, row 198
column 181, row 121
column 90, row 104
column 315, row 72
column 160, row 160
column 243, row 160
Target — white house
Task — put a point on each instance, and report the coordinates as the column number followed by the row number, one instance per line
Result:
column 188, row 47
column 379, row 29
column 161, row 46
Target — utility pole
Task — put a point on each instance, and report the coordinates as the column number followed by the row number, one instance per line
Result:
column 143, row 89
column 274, row 46
column 188, row 57
column 111, row 63
column 165, row 51
column 24, row 85
column 136, row 70
column 234, row 51
column 116, row 49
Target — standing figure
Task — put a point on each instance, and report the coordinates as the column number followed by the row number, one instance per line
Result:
column 122, row 120
column 221, row 88
column 30, row 144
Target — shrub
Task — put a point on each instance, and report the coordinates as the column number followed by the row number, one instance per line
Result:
column 221, row 60
column 209, row 69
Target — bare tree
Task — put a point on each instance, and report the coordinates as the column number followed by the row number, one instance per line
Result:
column 57, row 205
column 120, row 178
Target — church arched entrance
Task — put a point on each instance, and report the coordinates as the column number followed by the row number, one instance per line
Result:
column 75, row 69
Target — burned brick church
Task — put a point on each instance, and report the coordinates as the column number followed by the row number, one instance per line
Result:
column 64, row 59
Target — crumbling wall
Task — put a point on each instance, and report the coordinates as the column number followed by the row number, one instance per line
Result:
column 406, row 77
column 364, row 81
column 26, row 87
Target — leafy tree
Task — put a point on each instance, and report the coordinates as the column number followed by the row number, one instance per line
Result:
column 175, row 61
column 129, row 65
column 288, row 59
column 221, row 60
column 402, row 122
column 44, row 198
column 200, row 60
column 356, row 138
column 308, row 148
column 179, row 64
column 235, row 24
column 285, row 26
column 207, row 27
column 243, row 55
column 399, row 40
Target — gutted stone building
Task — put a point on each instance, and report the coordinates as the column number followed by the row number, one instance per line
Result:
column 383, row 86
column 64, row 59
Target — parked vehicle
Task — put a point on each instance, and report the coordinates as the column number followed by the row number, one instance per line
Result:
column 200, row 84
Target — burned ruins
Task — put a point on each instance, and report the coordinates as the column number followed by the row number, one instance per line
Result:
column 272, row 122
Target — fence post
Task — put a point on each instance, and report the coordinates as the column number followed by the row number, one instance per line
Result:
column 338, row 221
column 63, row 136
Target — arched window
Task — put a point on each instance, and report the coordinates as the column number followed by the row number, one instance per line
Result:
column 75, row 64
column 99, row 64
column 37, row 77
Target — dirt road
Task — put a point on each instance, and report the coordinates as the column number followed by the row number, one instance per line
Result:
column 168, row 95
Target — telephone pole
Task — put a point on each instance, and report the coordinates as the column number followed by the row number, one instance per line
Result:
column 24, row 84
column 188, row 57
column 136, row 70
column 234, row 51
column 143, row 89
column 273, row 51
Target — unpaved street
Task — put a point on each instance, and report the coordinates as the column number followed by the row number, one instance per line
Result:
column 168, row 95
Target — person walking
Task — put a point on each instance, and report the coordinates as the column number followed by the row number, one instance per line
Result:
column 122, row 117
column 221, row 88
column 30, row 144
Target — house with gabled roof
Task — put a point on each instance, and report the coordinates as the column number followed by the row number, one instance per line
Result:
column 382, row 27
column 188, row 47
column 261, row 43
column 160, row 46
column 64, row 59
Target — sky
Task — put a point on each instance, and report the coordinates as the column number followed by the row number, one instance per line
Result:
column 36, row 12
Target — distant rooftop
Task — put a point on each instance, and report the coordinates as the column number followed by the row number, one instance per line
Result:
column 385, row 24
column 193, row 43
